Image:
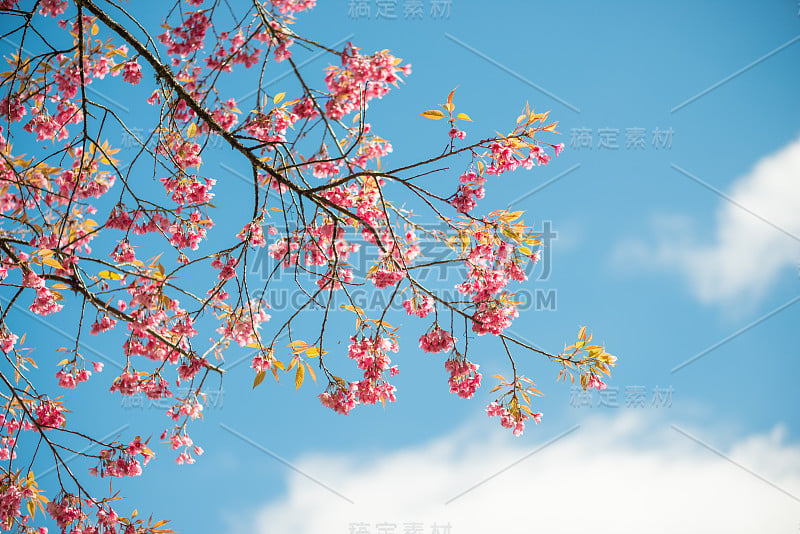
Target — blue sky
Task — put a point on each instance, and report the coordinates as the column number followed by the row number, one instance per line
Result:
column 684, row 247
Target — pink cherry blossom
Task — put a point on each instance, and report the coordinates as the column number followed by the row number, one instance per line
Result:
column 7, row 341
column 464, row 377
column 419, row 305
column 385, row 278
column 131, row 72
column 437, row 340
column 49, row 414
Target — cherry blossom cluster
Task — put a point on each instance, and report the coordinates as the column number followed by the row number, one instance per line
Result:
column 341, row 399
column 253, row 233
column 123, row 252
column 513, row 418
column 67, row 512
column 154, row 386
column 242, row 324
column 10, row 503
column 226, row 116
column 123, row 462
column 401, row 251
column 188, row 232
column 45, row 301
column 261, row 363
column 70, row 375
column 7, row 341
column 270, row 127
column 83, row 180
column 183, row 153
column 238, row 52
column 387, row 276
column 437, row 340
column 370, row 353
column 52, row 8
column 359, row 79
column 186, row 408
column 471, row 188
column 326, row 242
column 285, row 250
column 131, row 72
column 227, row 268
column 182, row 441
column 188, row 37
column 595, row 382
column 335, row 278
column 18, row 492
column 324, row 245
column 188, row 190
column 326, row 168
column 49, row 415
column 489, row 269
column 419, row 305
column 9, row 428
column 293, row 6
column 464, row 377
column 371, row 147
column 506, row 157
column 277, row 37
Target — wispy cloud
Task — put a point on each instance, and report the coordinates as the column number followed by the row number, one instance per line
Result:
column 756, row 235
column 628, row 474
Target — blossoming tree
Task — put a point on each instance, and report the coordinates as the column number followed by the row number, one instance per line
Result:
column 82, row 230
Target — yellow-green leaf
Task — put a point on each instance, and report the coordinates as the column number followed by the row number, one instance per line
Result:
column 277, row 98
column 259, row 378
column 582, row 333
column 192, row 130
column 52, row 263
column 298, row 376
column 311, row 372
column 432, row 114
column 109, row 275
column 313, row 352
column 354, row 309
column 463, row 117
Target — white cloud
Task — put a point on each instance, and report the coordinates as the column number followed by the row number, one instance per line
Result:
column 624, row 475
column 745, row 255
